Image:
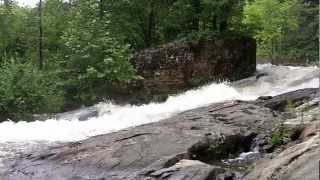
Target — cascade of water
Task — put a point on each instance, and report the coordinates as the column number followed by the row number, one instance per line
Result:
column 276, row 80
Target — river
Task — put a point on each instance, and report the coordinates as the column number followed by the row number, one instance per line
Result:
column 16, row 138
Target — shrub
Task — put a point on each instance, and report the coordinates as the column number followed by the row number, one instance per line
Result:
column 24, row 90
column 93, row 59
column 276, row 139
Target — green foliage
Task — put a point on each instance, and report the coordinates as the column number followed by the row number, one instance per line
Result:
column 281, row 28
column 202, row 19
column 290, row 105
column 269, row 20
column 78, row 46
column 87, row 42
column 26, row 90
column 145, row 23
column 11, row 41
column 303, row 42
column 93, row 59
column 135, row 21
column 276, row 139
column 56, row 15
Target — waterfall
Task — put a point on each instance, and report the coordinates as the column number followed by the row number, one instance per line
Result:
column 273, row 81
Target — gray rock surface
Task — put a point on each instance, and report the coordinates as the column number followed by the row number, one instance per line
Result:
column 188, row 146
column 125, row 153
column 295, row 163
column 301, row 160
column 294, row 98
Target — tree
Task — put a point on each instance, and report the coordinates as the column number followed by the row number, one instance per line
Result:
column 40, row 36
column 220, row 12
column 269, row 21
column 24, row 90
column 196, row 9
column 94, row 59
column 13, row 39
column 56, row 15
column 8, row 3
column 303, row 43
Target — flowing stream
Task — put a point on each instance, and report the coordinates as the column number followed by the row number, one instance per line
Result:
column 273, row 80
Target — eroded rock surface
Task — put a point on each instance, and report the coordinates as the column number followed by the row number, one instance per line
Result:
column 299, row 160
column 183, row 65
column 193, row 145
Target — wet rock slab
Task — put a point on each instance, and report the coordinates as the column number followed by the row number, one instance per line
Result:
column 298, row 162
column 190, row 146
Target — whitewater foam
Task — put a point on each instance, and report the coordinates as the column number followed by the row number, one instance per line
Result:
column 279, row 79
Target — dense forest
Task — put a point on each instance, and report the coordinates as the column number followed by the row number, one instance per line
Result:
column 62, row 54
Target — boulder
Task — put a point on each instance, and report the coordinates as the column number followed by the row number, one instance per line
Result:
column 187, row 169
column 81, row 114
column 299, row 159
column 183, row 65
column 295, row 98
column 298, row 162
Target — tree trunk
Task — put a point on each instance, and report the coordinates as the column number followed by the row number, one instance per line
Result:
column 196, row 6
column 40, row 48
column 223, row 26
column 151, row 25
column 101, row 6
column 7, row 3
column 214, row 23
column 319, row 96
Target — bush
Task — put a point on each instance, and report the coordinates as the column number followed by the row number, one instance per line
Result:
column 24, row 90
column 93, row 59
column 276, row 139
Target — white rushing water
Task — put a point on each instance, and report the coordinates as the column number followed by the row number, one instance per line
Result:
column 279, row 79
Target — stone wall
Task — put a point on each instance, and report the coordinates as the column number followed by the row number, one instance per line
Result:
column 180, row 66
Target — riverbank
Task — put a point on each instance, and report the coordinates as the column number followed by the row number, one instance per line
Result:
column 235, row 139
column 224, row 129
